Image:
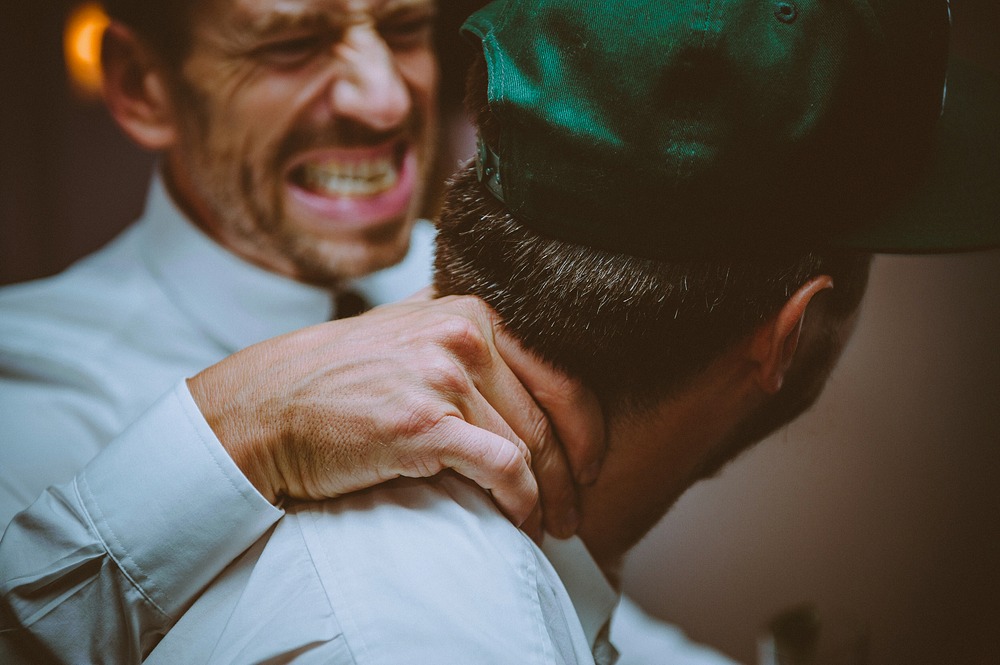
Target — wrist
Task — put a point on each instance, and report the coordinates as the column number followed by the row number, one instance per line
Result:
column 242, row 437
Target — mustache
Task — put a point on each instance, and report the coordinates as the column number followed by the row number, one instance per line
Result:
column 347, row 134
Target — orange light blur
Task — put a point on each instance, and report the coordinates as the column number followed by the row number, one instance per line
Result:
column 82, row 48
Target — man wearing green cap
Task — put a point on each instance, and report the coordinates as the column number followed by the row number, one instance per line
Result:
column 674, row 202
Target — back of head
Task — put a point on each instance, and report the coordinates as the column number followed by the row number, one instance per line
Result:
column 655, row 179
column 634, row 329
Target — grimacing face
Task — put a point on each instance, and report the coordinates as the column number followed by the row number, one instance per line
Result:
column 306, row 130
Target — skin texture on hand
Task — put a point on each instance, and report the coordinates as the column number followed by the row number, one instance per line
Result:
column 408, row 389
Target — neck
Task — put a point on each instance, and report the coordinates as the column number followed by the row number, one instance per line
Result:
column 655, row 456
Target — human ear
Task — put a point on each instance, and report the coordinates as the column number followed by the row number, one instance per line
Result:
column 136, row 90
column 774, row 344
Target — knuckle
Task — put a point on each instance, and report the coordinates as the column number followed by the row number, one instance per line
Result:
column 471, row 304
column 524, row 452
column 456, row 328
column 509, row 463
column 446, row 377
column 418, row 447
column 421, row 465
column 466, row 338
column 540, row 436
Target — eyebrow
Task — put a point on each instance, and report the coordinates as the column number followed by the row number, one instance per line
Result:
column 277, row 22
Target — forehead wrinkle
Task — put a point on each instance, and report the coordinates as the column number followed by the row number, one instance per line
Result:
column 251, row 23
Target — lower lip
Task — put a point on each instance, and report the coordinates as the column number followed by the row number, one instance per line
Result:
column 362, row 212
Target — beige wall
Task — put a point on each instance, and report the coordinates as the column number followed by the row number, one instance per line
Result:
column 882, row 504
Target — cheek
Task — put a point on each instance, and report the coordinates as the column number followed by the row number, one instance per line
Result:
column 249, row 124
column 241, row 107
column 420, row 72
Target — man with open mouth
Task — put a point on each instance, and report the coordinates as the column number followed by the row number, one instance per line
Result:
column 159, row 388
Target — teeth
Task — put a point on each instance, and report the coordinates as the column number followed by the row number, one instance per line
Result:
column 353, row 179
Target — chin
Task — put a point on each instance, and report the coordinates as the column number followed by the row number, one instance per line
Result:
column 328, row 261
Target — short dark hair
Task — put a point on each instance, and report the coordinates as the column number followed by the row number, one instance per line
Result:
column 632, row 329
column 164, row 24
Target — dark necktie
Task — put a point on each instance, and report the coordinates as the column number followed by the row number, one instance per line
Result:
column 348, row 303
column 605, row 652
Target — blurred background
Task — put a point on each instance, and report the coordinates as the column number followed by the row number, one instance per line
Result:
column 880, row 508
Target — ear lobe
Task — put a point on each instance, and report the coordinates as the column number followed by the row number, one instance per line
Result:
column 136, row 90
column 774, row 344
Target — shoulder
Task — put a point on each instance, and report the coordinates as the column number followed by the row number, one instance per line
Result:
column 77, row 327
column 82, row 354
column 411, row 571
column 431, row 572
column 78, row 306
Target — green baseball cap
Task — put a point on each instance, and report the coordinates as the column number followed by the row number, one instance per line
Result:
column 658, row 128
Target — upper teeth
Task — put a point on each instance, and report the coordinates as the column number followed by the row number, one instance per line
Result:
column 353, row 179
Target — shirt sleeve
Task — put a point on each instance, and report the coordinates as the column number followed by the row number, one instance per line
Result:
column 96, row 570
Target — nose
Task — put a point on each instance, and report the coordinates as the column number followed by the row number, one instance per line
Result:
column 371, row 89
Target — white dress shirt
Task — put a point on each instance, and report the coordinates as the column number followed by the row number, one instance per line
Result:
column 146, row 507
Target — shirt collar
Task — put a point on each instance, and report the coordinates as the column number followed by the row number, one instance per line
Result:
column 406, row 277
column 238, row 303
column 593, row 597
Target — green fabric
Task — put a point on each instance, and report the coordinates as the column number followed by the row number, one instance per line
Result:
column 663, row 127
column 957, row 204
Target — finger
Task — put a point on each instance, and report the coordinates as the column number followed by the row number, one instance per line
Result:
column 490, row 396
column 498, row 402
column 556, row 488
column 574, row 411
column 501, row 393
column 492, row 462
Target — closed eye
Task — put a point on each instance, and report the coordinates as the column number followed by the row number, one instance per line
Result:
column 409, row 30
column 291, row 52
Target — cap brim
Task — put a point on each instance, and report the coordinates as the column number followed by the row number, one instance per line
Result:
column 958, row 206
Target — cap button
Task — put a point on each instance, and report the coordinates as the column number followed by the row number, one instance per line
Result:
column 786, row 12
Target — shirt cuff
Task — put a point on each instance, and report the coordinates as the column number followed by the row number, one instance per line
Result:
column 171, row 506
